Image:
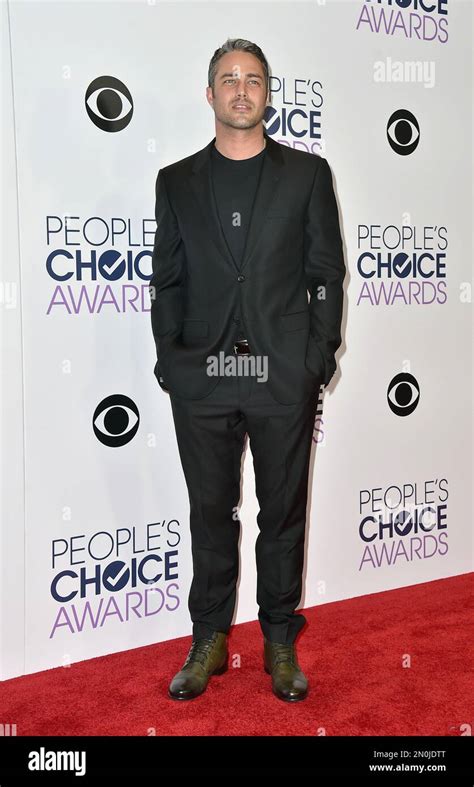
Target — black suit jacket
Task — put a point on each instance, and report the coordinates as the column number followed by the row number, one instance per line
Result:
column 293, row 248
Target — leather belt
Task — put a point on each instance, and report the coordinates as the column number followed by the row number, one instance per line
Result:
column 241, row 347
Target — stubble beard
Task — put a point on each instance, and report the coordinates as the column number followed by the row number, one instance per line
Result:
column 234, row 120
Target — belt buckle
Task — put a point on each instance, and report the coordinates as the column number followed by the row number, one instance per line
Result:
column 238, row 345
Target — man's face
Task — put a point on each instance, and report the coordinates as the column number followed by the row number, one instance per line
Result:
column 239, row 97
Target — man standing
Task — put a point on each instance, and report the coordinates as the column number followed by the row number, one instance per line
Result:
column 246, row 228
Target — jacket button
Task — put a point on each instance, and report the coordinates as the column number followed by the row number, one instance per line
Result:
column 241, row 277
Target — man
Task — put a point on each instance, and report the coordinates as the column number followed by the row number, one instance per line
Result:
column 246, row 228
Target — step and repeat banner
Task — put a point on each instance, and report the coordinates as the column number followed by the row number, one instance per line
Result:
column 97, row 96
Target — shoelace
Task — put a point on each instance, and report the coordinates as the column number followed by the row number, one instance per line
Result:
column 282, row 652
column 200, row 650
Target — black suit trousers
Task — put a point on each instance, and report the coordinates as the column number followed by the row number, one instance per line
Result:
column 211, row 435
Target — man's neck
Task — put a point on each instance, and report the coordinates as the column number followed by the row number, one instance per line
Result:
column 240, row 145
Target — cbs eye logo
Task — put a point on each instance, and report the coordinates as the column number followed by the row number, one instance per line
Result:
column 403, row 394
column 116, row 420
column 403, row 132
column 109, row 104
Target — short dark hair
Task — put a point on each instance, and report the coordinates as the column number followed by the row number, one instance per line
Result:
column 239, row 45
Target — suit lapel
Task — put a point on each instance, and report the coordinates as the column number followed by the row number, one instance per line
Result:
column 201, row 186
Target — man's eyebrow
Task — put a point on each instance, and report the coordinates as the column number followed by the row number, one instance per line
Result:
column 232, row 74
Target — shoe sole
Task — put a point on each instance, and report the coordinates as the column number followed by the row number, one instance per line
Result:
column 218, row 671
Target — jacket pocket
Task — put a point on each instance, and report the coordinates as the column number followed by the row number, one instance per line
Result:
column 295, row 321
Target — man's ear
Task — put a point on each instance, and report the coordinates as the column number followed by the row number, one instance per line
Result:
column 209, row 95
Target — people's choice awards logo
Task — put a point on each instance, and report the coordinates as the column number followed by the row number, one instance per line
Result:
column 403, row 522
column 420, row 20
column 296, row 122
column 402, row 264
column 109, row 104
column 113, row 577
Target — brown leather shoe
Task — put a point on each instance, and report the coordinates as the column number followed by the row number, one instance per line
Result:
column 289, row 682
column 207, row 656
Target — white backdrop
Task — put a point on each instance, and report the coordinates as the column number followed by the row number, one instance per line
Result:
column 94, row 503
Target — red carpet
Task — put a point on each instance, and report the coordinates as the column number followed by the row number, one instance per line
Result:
column 352, row 652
